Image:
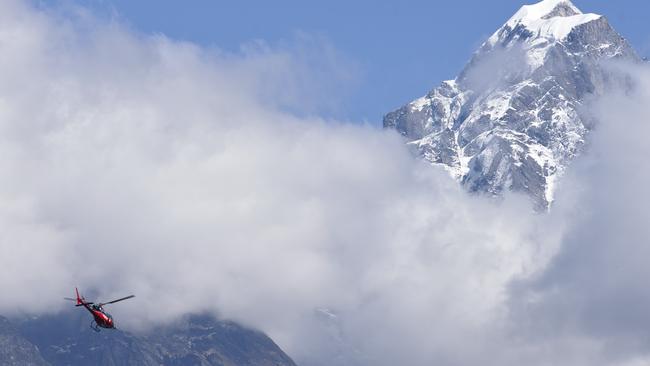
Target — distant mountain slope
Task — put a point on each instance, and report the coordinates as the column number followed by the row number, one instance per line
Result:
column 66, row 339
column 15, row 349
column 512, row 120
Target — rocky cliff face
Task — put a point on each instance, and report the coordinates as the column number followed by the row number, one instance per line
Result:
column 513, row 118
column 66, row 339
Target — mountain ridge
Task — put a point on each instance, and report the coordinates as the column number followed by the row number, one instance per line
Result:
column 66, row 339
column 513, row 119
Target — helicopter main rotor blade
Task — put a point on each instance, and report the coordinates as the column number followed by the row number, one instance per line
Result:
column 114, row 301
column 69, row 298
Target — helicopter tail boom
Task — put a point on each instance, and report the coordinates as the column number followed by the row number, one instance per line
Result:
column 80, row 300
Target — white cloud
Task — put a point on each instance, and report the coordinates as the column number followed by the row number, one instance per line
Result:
column 131, row 163
column 595, row 288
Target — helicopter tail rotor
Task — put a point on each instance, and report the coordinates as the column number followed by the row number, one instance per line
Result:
column 80, row 300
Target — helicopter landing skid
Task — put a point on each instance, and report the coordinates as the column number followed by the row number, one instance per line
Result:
column 93, row 326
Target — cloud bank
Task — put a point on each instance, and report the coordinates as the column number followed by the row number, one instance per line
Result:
column 192, row 178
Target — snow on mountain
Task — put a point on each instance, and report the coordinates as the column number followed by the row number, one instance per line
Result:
column 512, row 119
column 553, row 19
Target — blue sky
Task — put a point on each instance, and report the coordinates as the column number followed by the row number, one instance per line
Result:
column 401, row 48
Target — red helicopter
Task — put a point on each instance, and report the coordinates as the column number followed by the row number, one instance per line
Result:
column 101, row 318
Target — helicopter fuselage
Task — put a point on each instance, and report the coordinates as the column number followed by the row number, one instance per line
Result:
column 102, row 318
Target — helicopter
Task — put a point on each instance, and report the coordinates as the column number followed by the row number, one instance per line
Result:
column 101, row 319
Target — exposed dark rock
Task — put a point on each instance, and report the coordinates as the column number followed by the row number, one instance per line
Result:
column 15, row 349
column 66, row 339
column 513, row 119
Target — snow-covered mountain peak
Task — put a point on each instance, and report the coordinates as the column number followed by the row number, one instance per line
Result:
column 514, row 118
column 545, row 8
column 548, row 19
